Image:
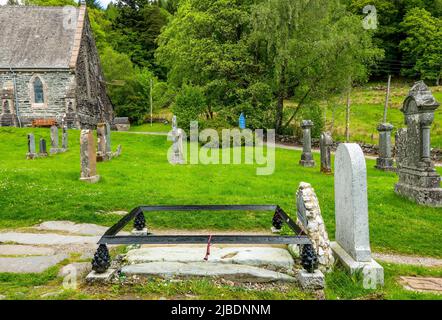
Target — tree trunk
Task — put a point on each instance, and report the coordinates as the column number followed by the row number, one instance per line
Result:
column 280, row 106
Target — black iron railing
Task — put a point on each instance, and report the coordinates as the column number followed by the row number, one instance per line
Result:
column 101, row 261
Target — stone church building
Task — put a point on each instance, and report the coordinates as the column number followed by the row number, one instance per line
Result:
column 50, row 68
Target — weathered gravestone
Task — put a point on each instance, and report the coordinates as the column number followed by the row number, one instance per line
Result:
column 101, row 141
column 31, row 147
column 43, row 152
column 54, row 141
column 418, row 180
column 311, row 221
column 64, row 139
column 108, row 140
column 177, row 136
column 385, row 160
column 307, row 156
column 352, row 246
column 326, row 143
column 88, row 157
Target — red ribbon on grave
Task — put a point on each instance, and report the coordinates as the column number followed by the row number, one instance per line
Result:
column 208, row 248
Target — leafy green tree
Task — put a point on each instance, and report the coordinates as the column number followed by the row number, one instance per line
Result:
column 189, row 104
column 423, row 45
column 310, row 50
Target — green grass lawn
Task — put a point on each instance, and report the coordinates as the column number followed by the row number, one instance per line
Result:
column 49, row 189
column 155, row 127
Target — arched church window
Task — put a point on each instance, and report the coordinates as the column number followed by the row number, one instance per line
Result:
column 38, row 91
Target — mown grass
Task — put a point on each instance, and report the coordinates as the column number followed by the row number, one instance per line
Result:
column 367, row 111
column 155, row 127
column 49, row 189
column 341, row 286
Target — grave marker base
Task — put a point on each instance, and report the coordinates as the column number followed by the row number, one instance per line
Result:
column 311, row 281
column 93, row 179
column 385, row 164
column 94, row 277
column 31, row 156
column 373, row 272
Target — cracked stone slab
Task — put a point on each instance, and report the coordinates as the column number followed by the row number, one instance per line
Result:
column 235, row 272
column 46, row 239
column 422, row 284
column 269, row 257
column 21, row 250
column 30, row 264
column 71, row 227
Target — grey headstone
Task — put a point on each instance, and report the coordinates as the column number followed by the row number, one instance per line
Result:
column 108, row 138
column 418, row 180
column 326, row 143
column 351, row 204
column 64, row 139
column 88, row 157
column 385, row 160
column 307, row 156
column 101, row 141
column 54, row 137
column 43, row 152
column 31, row 147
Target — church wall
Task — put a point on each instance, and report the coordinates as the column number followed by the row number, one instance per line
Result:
column 55, row 84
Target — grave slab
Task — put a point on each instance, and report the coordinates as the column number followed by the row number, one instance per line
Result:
column 238, row 272
column 422, row 284
column 71, row 227
column 30, row 264
column 271, row 258
column 20, row 250
column 46, row 239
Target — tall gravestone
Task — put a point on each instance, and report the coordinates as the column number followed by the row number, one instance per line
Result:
column 88, row 157
column 108, row 140
column 32, row 154
column 177, row 136
column 54, row 140
column 64, row 139
column 307, row 156
column 326, row 143
column 43, row 152
column 385, row 160
column 418, row 179
column 352, row 246
column 101, row 140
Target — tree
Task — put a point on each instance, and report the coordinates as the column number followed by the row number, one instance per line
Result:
column 423, row 45
column 205, row 45
column 309, row 49
column 283, row 47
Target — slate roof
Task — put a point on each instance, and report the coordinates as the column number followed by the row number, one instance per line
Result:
column 36, row 37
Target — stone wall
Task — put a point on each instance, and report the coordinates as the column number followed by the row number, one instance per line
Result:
column 55, row 84
column 93, row 104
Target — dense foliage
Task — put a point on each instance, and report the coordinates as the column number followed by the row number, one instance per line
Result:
column 252, row 56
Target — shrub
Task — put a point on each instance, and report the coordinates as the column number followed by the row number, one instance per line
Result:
column 189, row 104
